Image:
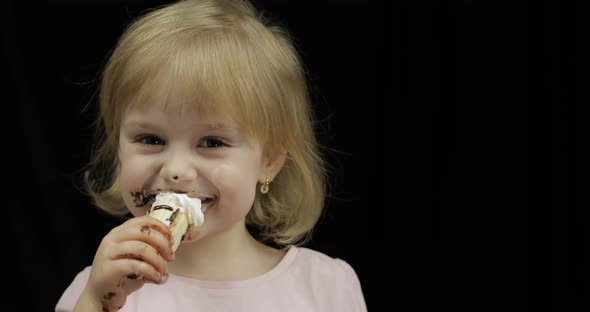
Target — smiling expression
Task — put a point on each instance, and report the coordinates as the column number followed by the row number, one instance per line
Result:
column 169, row 148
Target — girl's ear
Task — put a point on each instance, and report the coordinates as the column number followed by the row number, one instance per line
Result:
column 273, row 162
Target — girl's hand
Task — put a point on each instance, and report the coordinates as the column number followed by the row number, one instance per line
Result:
column 130, row 255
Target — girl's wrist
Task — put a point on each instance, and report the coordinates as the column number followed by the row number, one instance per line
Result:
column 88, row 302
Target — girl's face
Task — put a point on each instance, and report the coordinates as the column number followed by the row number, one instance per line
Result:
column 169, row 148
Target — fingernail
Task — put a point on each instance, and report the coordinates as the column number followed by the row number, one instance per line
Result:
column 164, row 278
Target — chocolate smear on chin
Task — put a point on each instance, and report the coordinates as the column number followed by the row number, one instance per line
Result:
column 141, row 199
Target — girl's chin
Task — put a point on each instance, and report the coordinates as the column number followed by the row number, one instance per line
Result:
column 192, row 234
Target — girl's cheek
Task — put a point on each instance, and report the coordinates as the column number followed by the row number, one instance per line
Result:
column 219, row 174
column 228, row 177
column 233, row 181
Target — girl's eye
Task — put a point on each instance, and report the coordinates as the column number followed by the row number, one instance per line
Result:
column 150, row 140
column 211, row 143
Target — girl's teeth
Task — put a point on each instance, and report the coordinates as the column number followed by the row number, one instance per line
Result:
column 205, row 204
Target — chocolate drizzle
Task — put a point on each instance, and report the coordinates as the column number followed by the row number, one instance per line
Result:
column 162, row 207
column 173, row 216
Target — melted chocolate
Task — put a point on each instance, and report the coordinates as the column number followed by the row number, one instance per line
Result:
column 110, row 295
column 106, row 300
column 173, row 216
column 162, row 207
column 141, row 199
column 146, row 229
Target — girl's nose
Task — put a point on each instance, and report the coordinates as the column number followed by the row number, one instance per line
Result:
column 178, row 169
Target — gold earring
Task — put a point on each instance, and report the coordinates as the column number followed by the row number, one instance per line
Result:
column 264, row 187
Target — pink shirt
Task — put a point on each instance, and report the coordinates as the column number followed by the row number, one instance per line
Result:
column 304, row 280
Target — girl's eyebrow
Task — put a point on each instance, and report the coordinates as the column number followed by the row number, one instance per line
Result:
column 137, row 124
column 216, row 126
column 235, row 129
column 141, row 125
column 205, row 126
column 221, row 127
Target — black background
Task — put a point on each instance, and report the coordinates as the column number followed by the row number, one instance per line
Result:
column 52, row 53
column 460, row 181
column 461, row 178
column 494, row 156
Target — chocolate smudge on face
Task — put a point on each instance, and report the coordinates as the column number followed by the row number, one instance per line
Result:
column 146, row 229
column 141, row 199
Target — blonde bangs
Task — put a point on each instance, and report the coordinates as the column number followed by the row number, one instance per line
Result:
column 228, row 75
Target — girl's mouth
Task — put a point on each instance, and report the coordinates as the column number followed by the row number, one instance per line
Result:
column 147, row 198
column 206, row 203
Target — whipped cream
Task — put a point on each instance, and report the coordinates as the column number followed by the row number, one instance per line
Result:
column 190, row 206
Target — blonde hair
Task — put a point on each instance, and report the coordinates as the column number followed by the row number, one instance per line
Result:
column 226, row 57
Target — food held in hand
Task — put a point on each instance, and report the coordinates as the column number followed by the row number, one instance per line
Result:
column 177, row 211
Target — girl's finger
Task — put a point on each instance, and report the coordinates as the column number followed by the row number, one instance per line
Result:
column 134, row 269
column 148, row 221
column 144, row 233
column 139, row 251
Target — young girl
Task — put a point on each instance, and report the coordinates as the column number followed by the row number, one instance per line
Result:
column 206, row 99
